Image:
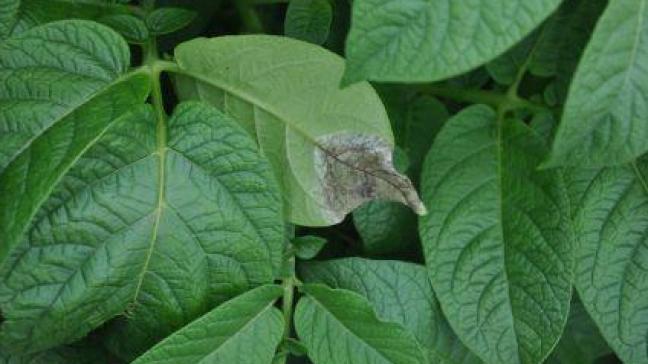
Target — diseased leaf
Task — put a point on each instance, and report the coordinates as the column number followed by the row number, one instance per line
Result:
column 331, row 148
column 307, row 247
column 309, row 20
column 581, row 342
column 168, row 20
column 245, row 330
column 387, row 227
column 341, row 327
column 604, row 121
column 400, row 292
column 8, row 16
column 59, row 95
column 497, row 240
column 611, row 221
column 429, row 40
column 131, row 27
column 156, row 222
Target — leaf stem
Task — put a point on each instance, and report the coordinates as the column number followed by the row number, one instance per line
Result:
column 497, row 100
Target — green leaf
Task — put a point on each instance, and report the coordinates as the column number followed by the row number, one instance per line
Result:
column 429, row 40
column 309, row 20
column 331, row 148
column 307, row 247
column 611, row 221
column 168, row 20
column 497, row 241
column 33, row 13
column 59, row 95
column 131, row 27
column 505, row 68
column 156, row 222
column 245, row 330
column 400, row 293
column 604, row 120
column 83, row 352
column 341, row 327
column 8, row 16
column 581, row 342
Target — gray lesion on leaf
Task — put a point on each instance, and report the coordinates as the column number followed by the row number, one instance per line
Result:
column 355, row 168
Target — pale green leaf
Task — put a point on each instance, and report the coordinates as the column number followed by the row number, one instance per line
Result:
column 157, row 222
column 309, row 20
column 340, row 327
column 244, row 330
column 604, row 120
column 429, row 40
column 497, row 240
column 400, row 293
column 611, row 221
column 168, row 20
column 331, row 148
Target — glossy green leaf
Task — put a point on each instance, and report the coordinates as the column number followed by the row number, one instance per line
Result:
column 331, row 148
column 307, row 247
column 604, row 120
column 429, row 40
column 8, row 16
column 168, row 20
column 581, row 342
column 244, row 330
column 400, row 293
column 157, row 222
column 497, row 240
column 309, row 20
column 131, row 27
column 59, row 95
column 611, row 222
column 340, row 327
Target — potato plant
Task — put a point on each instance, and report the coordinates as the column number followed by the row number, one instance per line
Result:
column 323, row 181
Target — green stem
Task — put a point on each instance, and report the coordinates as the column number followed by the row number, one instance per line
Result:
column 287, row 307
column 497, row 100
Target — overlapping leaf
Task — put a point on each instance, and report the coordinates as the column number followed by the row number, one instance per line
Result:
column 400, row 292
column 604, row 121
column 160, row 221
column 429, row 40
column 340, row 327
column 611, row 221
column 331, row 148
column 497, row 239
column 244, row 330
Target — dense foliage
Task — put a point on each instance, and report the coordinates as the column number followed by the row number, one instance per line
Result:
column 219, row 182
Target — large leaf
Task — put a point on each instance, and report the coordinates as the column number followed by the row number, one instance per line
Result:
column 245, row 330
column 400, row 293
column 59, row 94
column 611, row 220
column 87, row 351
column 497, row 240
column 341, row 327
column 604, row 121
column 331, row 148
column 581, row 342
column 429, row 40
column 163, row 221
